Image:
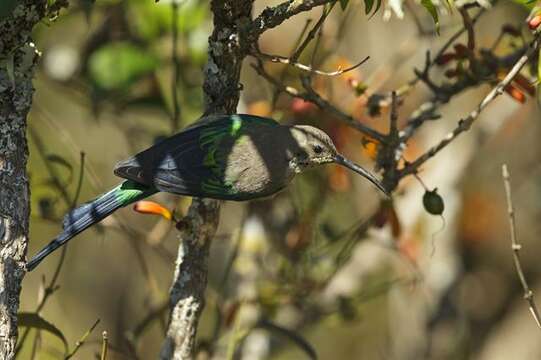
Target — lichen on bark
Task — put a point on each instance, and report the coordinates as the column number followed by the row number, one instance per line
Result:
column 17, row 62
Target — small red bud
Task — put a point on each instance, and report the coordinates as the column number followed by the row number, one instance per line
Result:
column 444, row 59
column 302, row 107
column 461, row 51
column 534, row 22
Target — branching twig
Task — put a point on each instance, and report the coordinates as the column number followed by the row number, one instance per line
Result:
column 515, row 246
column 465, row 124
column 468, row 26
column 311, row 34
column 274, row 16
column 311, row 95
column 82, row 340
column 308, row 68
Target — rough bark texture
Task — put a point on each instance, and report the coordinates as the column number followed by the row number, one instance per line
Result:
column 227, row 49
column 17, row 61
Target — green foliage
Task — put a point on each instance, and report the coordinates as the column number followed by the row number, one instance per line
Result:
column 150, row 20
column 431, row 8
column 369, row 4
column 118, row 65
column 33, row 320
column 6, row 7
column 528, row 4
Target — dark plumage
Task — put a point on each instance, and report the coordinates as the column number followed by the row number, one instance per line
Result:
column 229, row 157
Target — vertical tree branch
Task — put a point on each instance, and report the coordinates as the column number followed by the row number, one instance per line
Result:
column 17, row 62
column 227, row 49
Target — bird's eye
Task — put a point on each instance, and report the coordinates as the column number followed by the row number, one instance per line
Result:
column 318, row 149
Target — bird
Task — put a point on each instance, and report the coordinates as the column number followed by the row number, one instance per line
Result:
column 236, row 157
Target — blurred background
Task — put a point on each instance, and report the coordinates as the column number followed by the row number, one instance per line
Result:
column 326, row 266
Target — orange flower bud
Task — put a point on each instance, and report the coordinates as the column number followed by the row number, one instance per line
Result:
column 150, row 207
column 525, row 84
column 534, row 22
column 515, row 93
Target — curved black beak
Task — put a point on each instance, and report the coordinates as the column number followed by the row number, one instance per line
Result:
column 339, row 159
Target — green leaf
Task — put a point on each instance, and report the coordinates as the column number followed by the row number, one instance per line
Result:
column 344, row 4
column 368, row 4
column 151, row 20
column 33, row 320
column 528, row 4
column 431, row 8
column 118, row 65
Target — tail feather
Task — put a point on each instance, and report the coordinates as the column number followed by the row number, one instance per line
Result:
column 90, row 213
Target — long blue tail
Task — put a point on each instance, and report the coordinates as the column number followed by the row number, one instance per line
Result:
column 90, row 213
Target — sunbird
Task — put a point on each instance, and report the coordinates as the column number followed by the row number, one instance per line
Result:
column 228, row 157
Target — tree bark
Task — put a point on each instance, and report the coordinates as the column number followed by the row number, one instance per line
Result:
column 227, row 48
column 17, row 62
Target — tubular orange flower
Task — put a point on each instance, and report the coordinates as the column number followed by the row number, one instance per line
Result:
column 515, row 93
column 150, row 207
column 524, row 84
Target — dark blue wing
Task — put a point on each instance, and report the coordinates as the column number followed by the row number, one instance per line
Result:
column 184, row 163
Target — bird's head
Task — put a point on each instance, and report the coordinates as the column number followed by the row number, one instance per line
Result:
column 315, row 147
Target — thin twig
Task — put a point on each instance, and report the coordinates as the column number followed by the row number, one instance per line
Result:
column 236, row 244
column 307, row 68
column 295, row 50
column 468, row 26
column 455, row 37
column 515, row 246
column 176, row 67
column 274, row 16
column 82, row 340
column 311, row 35
column 393, row 128
column 104, row 345
column 465, row 124
column 312, row 96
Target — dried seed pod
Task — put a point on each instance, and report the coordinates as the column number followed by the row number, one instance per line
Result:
column 433, row 202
